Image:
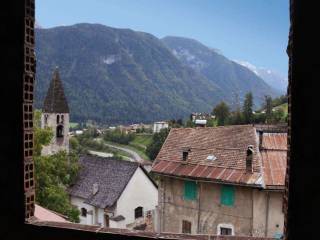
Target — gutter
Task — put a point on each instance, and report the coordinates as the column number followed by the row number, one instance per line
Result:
column 198, row 225
column 260, row 186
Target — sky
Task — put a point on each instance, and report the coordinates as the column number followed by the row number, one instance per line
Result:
column 255, row 31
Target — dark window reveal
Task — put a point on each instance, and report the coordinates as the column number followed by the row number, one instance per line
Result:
column 186, row 226
column 83, row 212
column 59, row 131
column 225, row 231
column 138, row 212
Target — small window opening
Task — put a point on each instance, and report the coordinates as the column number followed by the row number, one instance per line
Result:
column 138, row 212
column 83, row 212
column 58, row 119
column 225, row 231
column 59, row 131
column 186, row 227
column 62, row 119
column 45, row 119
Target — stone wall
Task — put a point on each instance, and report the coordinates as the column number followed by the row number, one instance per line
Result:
column 247, row 216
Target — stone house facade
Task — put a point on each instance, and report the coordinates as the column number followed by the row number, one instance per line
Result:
column 224, row 181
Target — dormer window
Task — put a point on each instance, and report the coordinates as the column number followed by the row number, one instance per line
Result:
column 185, row 155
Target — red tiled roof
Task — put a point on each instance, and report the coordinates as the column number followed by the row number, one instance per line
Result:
column 44, row 214
column 274, row 159
column 229, row 145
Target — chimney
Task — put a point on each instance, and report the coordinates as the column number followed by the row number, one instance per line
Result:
column 249, row 167
column 260, row 139
column 95, row 188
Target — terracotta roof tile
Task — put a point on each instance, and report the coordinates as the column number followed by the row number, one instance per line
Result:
column 228, row 145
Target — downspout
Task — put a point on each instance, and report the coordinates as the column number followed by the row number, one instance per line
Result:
column 267, row 215
column 163, row 206
column 198, row 225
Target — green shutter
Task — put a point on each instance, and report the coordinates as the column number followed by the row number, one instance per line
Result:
column 227, row 195
column 190, row 190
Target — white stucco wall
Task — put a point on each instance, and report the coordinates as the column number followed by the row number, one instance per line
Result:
column 157, row 126
column 79, row 202
column 139, row 192
column 56, row 144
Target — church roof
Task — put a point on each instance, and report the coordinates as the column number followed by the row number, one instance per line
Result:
column 55, row 101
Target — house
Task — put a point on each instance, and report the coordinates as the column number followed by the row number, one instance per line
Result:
column 113, row 193
column 157, row 126
column 226, row 180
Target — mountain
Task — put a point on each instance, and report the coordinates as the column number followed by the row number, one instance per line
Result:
column 233, row 78
column 273, row 78
column 118, row 75
column 121, row 76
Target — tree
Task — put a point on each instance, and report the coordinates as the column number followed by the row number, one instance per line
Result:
column 247, row 108
column 157, row 141
column 222, row 113
column 268, row 107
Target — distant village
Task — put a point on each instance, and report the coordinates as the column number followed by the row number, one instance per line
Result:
column 222, row 180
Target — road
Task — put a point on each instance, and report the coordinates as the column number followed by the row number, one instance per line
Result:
column 134, row 156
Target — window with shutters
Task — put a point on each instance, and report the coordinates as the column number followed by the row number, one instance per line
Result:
column 186, row 226
column 190, row 190
column 227, row 195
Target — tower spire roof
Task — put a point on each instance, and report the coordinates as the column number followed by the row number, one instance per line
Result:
column 55, row 101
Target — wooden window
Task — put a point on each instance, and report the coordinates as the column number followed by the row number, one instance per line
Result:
column 225, row 231
column 138, row 212
column 190, row 190
column 186, row 226
column 83, row 212
column 227, row 195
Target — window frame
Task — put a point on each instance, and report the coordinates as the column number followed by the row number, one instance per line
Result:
column 12, row 149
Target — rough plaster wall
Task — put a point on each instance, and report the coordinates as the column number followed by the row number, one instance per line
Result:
column 259, row 213
column 56, row 144
column 140, row 191
column 212, row 213
column 276, row 215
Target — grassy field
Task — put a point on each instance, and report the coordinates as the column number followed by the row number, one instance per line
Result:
column 73, row 124
column 283, row 106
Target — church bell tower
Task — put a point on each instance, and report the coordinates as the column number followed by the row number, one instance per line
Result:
column 55, row 114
